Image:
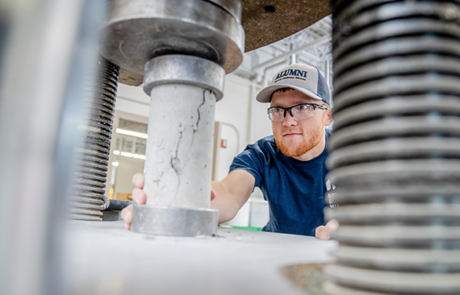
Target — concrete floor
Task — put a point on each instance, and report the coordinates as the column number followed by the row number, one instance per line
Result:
column 104, row 258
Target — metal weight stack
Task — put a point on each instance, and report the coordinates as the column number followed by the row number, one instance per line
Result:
column 92, row 164
column 395, row 149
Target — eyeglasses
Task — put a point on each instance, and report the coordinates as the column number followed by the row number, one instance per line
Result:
column 298, row 112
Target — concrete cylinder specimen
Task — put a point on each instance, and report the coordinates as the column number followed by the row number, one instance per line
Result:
column 179, row 146
column 184, row 90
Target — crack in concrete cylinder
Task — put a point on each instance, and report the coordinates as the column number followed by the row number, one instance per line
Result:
column 179, row 146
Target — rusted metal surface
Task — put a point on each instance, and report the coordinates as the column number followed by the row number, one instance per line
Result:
column 267, row 21
column 307, row 277
column 130, row 78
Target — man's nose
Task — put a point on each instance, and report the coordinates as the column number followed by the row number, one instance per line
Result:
column 289, row 119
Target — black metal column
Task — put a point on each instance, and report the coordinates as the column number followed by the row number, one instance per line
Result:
column 88, row 201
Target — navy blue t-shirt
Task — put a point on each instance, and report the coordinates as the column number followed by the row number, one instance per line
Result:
column 294, row 189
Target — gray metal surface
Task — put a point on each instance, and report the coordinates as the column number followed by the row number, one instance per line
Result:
column 118, row 205
column 397, row 126
column 395, row 149
column 399, row 258
column 398, row 66
column 139, row 30
column 391, row 148
column 404, row 192
column 400, row 236
column 233, row 7
column 353, row 8
column 233, row 262
column 184, row 69
column 403, row 46
column 395, row 282
column 174, row 221
column 394, row 28
column 423, row 213
column 331, row 288
column 383, row 13
column 46, row 49
column 400, row 106
column 411, row 171
column 90, row 176
column 397, row 87
column 110, row 215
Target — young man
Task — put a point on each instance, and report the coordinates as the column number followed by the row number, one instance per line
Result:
column 289, row 167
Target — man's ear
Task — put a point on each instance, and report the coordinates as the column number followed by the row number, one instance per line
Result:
column 328, row 117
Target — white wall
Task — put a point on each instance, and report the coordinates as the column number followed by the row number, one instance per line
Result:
column 132, row 100
column 227, row 154
column 240, row 109
column 262, row 125
column 234, row 107
column 127, row 167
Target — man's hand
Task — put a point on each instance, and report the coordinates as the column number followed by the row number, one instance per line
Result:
column 323, row 232
column 139, row 197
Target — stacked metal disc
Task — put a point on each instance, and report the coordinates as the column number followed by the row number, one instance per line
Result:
column 395, row 149
column 88, row 200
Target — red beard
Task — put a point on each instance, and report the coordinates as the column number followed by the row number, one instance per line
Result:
column 311, row 140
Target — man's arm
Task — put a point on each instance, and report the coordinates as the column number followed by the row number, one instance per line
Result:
column 231, row 193
column 227, row 196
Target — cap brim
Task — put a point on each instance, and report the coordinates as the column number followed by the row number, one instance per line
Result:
column 265, row 94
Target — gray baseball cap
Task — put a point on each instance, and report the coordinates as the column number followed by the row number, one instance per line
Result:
column 301, row 77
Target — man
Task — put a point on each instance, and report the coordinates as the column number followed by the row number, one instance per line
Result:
column 289, row 167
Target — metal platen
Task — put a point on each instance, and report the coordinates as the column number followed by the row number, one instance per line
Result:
column 139, row 30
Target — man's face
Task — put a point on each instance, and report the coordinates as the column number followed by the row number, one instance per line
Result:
column 295, row 138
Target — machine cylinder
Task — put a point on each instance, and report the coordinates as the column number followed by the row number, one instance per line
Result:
column 184, row 49
column 395, row 149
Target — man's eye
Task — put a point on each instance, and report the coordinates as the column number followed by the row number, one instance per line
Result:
column 303, row 107
column 278, row 110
